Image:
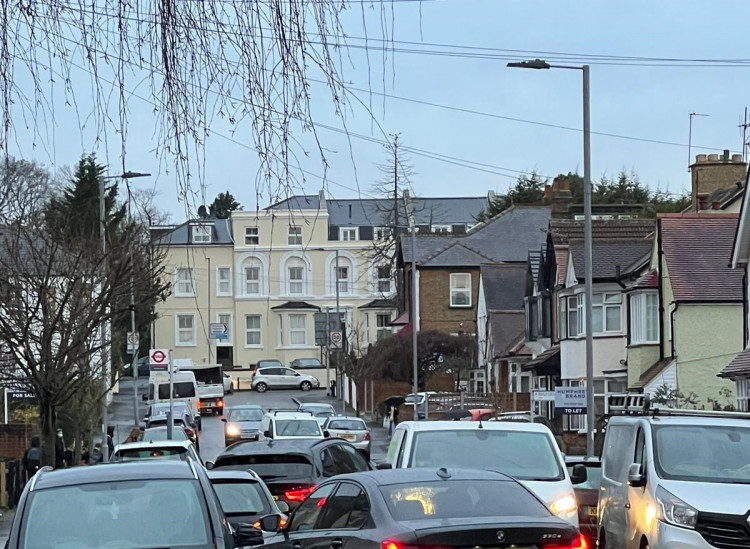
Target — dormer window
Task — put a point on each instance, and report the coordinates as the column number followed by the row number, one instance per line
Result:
column 201, row 234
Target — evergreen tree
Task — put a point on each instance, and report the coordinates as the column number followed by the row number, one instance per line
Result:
column 223, row 205
column 529, row 189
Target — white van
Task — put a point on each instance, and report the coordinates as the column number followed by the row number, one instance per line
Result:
column 526, row 451
column 185, row 389
column 674, row 478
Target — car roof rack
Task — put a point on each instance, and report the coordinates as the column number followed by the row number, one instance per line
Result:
column 639, row 404
column 290, row 411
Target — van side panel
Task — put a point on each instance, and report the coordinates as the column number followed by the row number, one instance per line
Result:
column 617, row 455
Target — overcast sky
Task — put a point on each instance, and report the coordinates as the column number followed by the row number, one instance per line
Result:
column 646, row 101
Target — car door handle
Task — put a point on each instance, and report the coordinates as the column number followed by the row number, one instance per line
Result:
column 336, row 544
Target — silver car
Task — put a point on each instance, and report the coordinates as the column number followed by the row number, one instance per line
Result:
column 279, row 377
column 352, row 429
column 320, row 410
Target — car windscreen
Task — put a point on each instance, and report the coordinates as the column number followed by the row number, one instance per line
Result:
column 245, row 414
column 241, row 498
column 717, row 453
column 593, row 477
column 149, row 453
column 183, row 389
column 461, row 499
column 159, row 435
column 296, row 428
column 347, row 424
column 161, row 420
column 270, row 467
column 521, row 454
column 122, row 513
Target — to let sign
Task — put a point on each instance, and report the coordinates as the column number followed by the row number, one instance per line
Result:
column 570, row 400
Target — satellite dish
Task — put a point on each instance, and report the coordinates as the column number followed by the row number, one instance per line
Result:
column 202, row 212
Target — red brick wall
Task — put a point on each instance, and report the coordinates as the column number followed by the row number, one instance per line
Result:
column 435, row 312
column 14, row 440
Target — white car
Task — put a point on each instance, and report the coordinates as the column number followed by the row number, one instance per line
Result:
column 166, row 449
column 285, row 425
column 279, row 377
column 228, row 383
column 525, row 451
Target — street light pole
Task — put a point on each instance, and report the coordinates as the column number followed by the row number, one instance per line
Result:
column 587, row 243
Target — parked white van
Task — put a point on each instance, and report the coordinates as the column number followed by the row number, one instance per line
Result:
column 674, row 478
column 185, row 389
column 526, row 451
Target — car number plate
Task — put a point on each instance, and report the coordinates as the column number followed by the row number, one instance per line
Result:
column 349, row 437
column 593, row 512
column 247, row 436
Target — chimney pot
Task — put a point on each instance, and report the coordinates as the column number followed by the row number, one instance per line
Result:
column 700, row 158
column 713, row 157
column 547, row 192
column 702, row 202
column 715, row 205
column 725, row 156
column 737, row 158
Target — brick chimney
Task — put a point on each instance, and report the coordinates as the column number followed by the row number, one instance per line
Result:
column 560, row 197
column 547, row 200
column 713, row 172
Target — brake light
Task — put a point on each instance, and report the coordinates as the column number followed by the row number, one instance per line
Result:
column 198, row 405
column 397, row 545
column 298, row 495
column 367, row 436
column 579, row 543
column 220, row 403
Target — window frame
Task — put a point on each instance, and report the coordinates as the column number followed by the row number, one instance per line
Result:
column 290, row 281
column 346, row 281
column 294, row 235
column 227, row 281
column 605, row 306
column 178, row 281
column 258, row 330
column 380, row 234
column 380, row 280
column 384, row 331
column 640, row 317
column 249, row 237
column 204, row 230
column 456, row 290
column 297, row 330
column 348, row 231
column 178, row 330
column 246, row 280
column 441, row 229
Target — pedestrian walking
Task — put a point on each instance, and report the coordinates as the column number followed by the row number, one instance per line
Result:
column 134, row 436
column 32, row 457
column 59, row 450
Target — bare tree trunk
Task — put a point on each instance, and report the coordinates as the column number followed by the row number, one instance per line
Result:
column 47, row 427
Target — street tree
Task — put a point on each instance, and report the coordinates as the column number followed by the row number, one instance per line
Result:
column 23, row 184
column 249, row 63
column 57, row 295
column 223, row 205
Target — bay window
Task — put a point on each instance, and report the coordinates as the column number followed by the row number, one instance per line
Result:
column 606, row 312
column 644, row 318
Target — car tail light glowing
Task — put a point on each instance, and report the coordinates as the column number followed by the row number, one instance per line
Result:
column 367, row 436
column 579, row 543
column 220, row 403
column 198, row 405
column 298, row 495
column 397, row 545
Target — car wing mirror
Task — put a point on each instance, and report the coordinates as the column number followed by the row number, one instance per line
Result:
column 636, row 478
column 383, row 465
column 247, row 535
column 267, row 434
column 579, row 475
column 144, row 398
column 326, row 434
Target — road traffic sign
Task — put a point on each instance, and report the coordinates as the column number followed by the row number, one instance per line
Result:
column 218, row 330
column 133, row 341
column 336, row 339
column 159, row 359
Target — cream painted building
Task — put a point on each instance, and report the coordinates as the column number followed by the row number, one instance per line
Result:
column 265, row 274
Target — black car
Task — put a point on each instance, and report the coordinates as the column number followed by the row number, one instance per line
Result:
column 587, row 494
column 244, row 497
column 242, row 423
column 425, row 508
column 124, row 505
column 292, row 468
column 144, row 368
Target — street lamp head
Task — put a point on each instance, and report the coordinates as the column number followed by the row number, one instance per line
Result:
column 132, row 175
column 534, row 64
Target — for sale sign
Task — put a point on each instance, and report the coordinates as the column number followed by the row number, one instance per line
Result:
column 570, row 400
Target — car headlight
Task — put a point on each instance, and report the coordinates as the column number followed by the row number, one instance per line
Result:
column 233, row 430
column 675, row 511
column 563, row 505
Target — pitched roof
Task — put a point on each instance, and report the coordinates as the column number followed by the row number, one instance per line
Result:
column 295, row 305
column 221, row 233
column 505, row 330
column 507, row 237
column 550, row 357
column 697, row 249
column 355, row 212
column 651, row 372
column 504, row 286
column 740, row 366
column 379, row 304
column 608, row 255
column 647, row 280
column 564, row 230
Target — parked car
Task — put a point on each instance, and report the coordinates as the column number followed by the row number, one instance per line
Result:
column 159, row 434
column 281, row 424
column 525, row 451
column 292, row 468
column 354, row 430
column 525, row 417
column 428, row 508
column 228, row 383
column 245, row 498
column 144, row 368
column 124, row 505
column 306, row 363
column 242, row 423
column 587, row 494
column 182, row 419
column 278, row 377
column 674, row 478
column 320, row 410
column 181, row 450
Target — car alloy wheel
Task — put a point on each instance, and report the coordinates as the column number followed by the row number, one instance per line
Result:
column 305, row 386
column 261, row 387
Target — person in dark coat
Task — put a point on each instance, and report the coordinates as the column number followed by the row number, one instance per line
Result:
column 59, row 450
column 32, row 458
column 110, row 440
